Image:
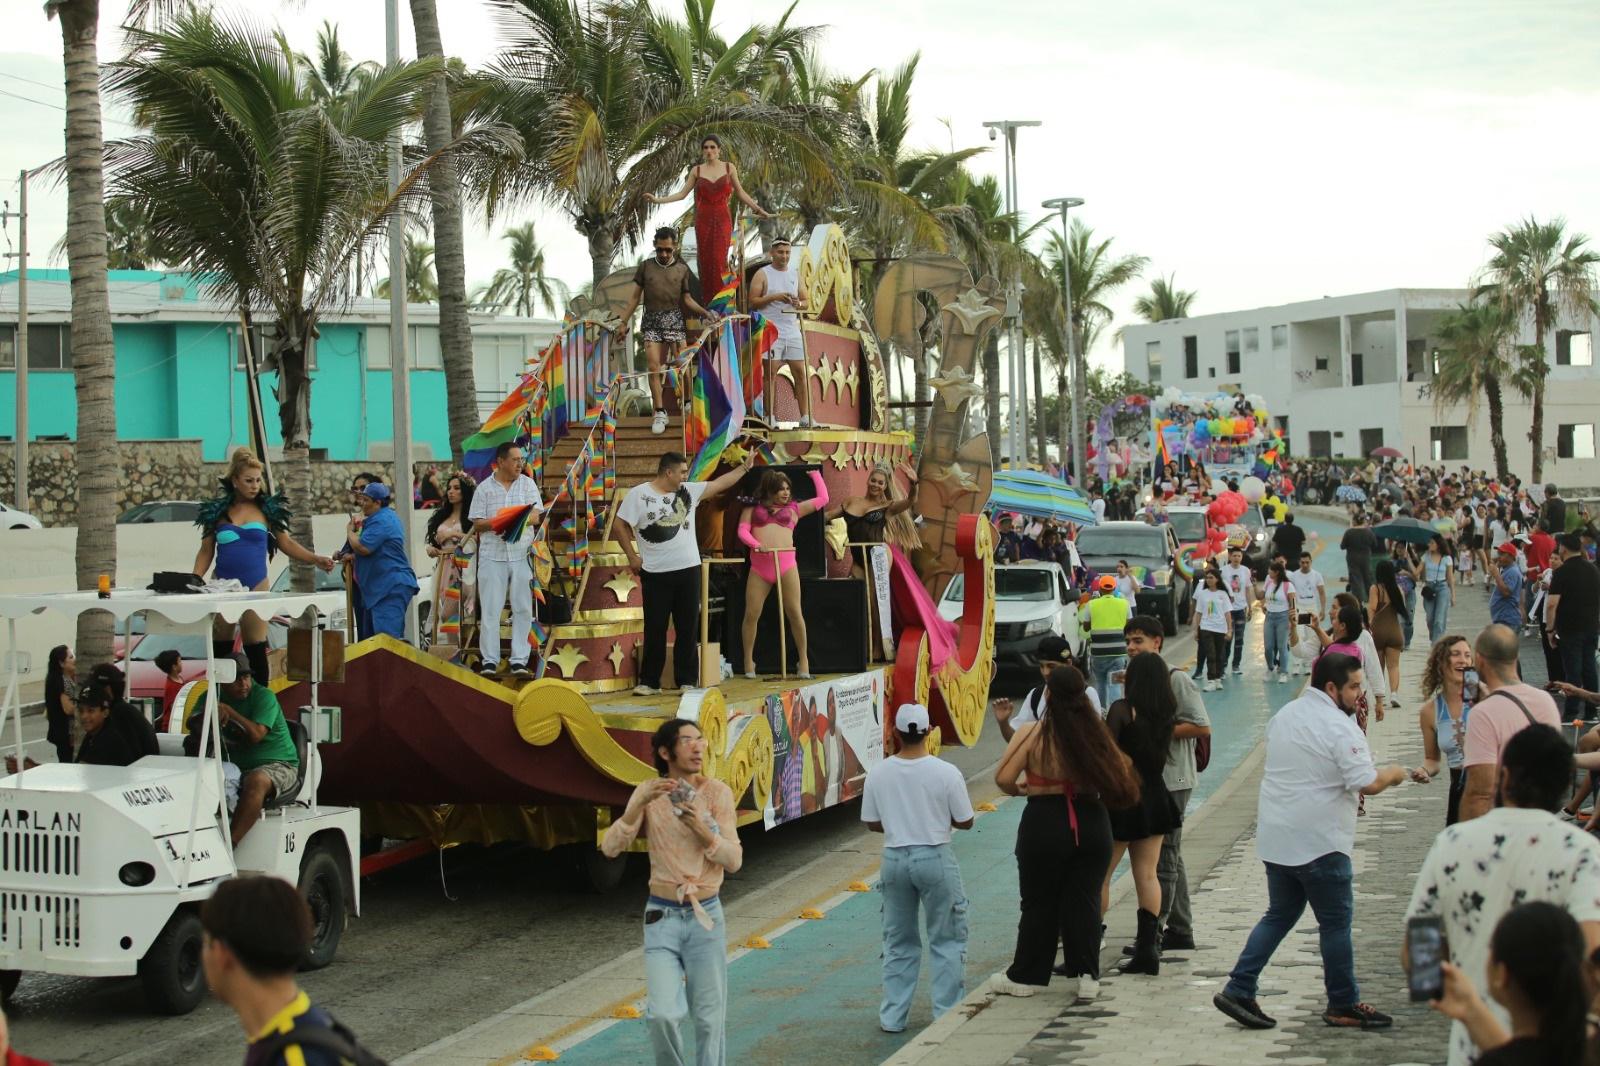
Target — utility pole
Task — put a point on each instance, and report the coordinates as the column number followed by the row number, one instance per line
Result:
column 20, row 348
column 1016, row 423
column 1064, row 204
column 399, row 362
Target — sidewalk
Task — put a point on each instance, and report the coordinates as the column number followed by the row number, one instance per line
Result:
column 1169, row 1020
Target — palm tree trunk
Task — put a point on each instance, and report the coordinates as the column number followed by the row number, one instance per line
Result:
column 449, row 243
column 1063, row 413
column 991, row 396
column 1497, row 429
column 1038, row 397
column 602, row 247
column 294, row 424
column 919, row 393
column 93, row 355
column 1536, row 431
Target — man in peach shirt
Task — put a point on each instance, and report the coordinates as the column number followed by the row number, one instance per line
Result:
column 690, row 822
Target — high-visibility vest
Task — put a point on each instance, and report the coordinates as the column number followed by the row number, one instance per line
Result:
column 1108, row 616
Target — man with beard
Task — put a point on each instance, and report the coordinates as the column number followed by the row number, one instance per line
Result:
column 656, row 527
column 1318, row 766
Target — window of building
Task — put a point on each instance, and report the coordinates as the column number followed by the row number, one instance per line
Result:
column 1152, row 360
column 1280, row 337
column 1574, row 348
column 1191, row 357
column 1447, row 443
column 1575, row 441
column 1252, row 340
column 1282, row 422
column 49, row 347
column 262, row 338
column 1321, row 444
column 1322, row 363
column 8, row 347
column 1211, row 371
column 1231, row 344
column 1371, row 440
column 424, row 352
column 1358, row 368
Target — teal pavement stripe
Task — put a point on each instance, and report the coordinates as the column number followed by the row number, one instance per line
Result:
column 812, row 997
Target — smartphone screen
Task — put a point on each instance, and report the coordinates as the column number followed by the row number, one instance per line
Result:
column 1425, row 942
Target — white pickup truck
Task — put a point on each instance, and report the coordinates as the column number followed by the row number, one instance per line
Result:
column 1032, row 599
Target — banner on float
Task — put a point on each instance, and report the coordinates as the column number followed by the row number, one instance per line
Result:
column 878, row 556
column 825, row 737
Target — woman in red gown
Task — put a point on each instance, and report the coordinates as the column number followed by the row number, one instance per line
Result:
column 712, row 181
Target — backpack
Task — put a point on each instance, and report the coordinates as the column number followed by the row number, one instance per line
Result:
column 332, row 1037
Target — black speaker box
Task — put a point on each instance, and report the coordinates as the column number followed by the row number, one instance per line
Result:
column 836, row 626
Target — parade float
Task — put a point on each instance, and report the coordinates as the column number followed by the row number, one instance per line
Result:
column 432, row 752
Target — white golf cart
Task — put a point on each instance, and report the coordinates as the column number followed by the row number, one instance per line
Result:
column 103, row 868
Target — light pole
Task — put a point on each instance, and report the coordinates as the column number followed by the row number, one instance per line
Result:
column 1016, row 427
column 1064, row 204
column 399, row 362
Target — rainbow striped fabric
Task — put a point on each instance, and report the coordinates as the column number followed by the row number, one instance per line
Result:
column 717, row 411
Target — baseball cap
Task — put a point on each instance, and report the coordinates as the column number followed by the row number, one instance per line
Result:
column 1054, row 649
column 241, row 663
column 1508, row 548
column 911, row 718
column 376, row 491
column 1106, row 583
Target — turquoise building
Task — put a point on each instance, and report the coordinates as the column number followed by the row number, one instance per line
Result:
column 180, row 368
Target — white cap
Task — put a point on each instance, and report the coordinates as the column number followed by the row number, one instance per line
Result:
column 911, row 718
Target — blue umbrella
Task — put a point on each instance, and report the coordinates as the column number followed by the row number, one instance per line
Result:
column 1349, row 494
column 1039, row 496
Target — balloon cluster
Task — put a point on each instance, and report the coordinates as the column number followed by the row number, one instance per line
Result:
column 1224, row 511
column 1202, row 420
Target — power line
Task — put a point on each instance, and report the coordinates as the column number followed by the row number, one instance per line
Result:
column 30, row 81
column 59, row 107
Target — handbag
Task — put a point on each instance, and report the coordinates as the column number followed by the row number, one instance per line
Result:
column 1429, row 592
column 170, row 581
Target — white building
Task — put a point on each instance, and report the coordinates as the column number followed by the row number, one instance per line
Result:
column 1346, row 374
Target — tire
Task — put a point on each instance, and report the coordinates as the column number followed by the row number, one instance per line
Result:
column 599, row 874
column 9, row 979
column 173, row 979
column 322, row 885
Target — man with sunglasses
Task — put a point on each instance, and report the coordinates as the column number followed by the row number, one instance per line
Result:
column 667, row 286
column 1053, row 652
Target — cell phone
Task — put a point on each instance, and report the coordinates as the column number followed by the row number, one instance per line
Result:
column 1425, row 944
column 1118, row 676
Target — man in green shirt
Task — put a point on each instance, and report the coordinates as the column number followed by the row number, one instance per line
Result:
column 257, row 741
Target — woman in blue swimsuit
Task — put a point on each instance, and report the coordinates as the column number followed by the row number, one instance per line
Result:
column 244, row 527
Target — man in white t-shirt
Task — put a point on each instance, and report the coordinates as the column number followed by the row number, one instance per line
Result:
column 915, row 799
column 655, row 524
column 1239, row 582
column 1308, row 587
column 1516, row 853
column 778, row 294
column 1318, row 766
column 1053, row 651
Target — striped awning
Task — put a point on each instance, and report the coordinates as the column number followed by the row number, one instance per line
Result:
column 1039, row 495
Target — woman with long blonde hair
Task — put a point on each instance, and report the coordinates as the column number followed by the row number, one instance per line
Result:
column 242, row 528
column 881, row 516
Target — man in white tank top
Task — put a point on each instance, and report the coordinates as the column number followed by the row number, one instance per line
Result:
column 778, row 295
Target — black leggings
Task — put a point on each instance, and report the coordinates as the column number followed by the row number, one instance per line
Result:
column 1060, row 880
column 1458, row 785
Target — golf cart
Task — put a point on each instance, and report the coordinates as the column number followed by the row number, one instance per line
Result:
column 103, row 868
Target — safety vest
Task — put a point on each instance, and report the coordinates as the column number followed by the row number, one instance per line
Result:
column 1108, row 616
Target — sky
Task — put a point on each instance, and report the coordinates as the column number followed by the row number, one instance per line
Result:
column 1260, row 151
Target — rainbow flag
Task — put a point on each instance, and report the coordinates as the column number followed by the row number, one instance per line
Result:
column 477, row 451
column 510, row 522
column 725, row 302
column 556, row 390
column 763, row 335
column 719, row 405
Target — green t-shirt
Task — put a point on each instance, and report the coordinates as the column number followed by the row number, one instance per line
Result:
column 262, row 708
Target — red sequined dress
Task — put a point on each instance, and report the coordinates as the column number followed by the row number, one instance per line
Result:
column 713, row 230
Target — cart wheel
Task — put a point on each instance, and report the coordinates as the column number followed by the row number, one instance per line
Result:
column 600, row 874
column 9, row 979
column 322, row 885
column 170, row 971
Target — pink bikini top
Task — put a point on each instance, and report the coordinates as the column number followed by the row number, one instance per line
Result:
column 787, row 515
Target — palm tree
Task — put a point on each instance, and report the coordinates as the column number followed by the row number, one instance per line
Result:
column 93, row 357
column 421, row 286
column 1163, row 301
column 1537, row 271
column 268, row 193
column 130, row 244
column 1476, row 361
column 524, row 285
column 331, row 75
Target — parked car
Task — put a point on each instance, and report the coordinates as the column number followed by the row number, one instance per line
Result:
column 1152, row 552
column 1032, row 600
column 161, row 511
column 11, row 518
column 1189, row 523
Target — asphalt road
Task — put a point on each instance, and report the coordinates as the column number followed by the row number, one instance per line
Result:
column 441, row 943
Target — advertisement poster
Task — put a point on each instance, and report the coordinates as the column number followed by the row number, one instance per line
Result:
column 826, row 736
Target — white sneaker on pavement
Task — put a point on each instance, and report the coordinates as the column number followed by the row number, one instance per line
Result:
column 1001, row 985
column 1088, row 989
column 1283, row 679
column 658, row 424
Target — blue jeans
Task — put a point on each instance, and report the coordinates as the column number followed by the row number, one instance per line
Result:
column 928, row 876
column 1438, row 610
column 1275, row 639
column 686, row 972
column 1101, row 667
column 1578, row 667
column 388, row 615
column 1327, row 883
column 1240, row 617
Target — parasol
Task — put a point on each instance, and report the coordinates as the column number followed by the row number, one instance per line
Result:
column 1405, row 528
column 1386, row 452
column 1040, row 496
column 1349, row 494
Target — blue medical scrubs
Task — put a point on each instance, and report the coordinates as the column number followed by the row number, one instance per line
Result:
column 385, row 576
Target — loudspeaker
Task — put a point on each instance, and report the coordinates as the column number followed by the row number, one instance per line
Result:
column 836, row 627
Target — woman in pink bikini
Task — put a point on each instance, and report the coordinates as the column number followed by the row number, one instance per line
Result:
column 767, row 528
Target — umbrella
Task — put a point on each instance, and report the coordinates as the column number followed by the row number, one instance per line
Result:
column 1386, row 452
column 1406, row 528
column 1031, row 493
column 1349, row 494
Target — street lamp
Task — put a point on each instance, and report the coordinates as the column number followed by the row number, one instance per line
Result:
column 1064, row 204
column 1016, row 428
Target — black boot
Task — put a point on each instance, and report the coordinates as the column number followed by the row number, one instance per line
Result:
column 260, row 671
column 1146, row 949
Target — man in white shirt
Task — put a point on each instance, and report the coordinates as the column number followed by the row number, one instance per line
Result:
column 915, row 799
column 1239, row 583
column 1098, row 504
column 778, row 294
column 655, row 523
column 1517, row 853
column 503, row 566
column 1308, row 586
column 1318, row 766
column 1053, row 651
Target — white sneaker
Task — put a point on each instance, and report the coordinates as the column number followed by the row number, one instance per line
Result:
column 806, row 422
column 658, row 424
column 1283, row 679
column 1238, row 670
column 645, row 690
column 1088, row 989
column 1001, row 985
